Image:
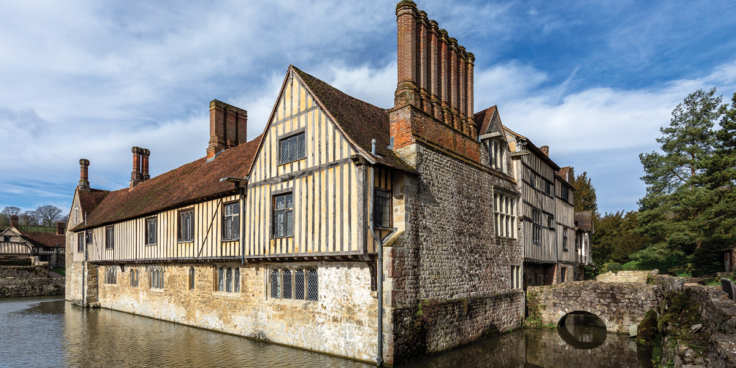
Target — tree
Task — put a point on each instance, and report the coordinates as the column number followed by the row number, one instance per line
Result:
column 48, row 214
column 28, row 218
column 614, row 239
column 674, row 197
column 5, row 216
column 585, row 198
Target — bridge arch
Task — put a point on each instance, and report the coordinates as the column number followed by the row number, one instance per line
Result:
column 618, row 305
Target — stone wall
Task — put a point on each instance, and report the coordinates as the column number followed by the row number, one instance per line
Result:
column 618, row 305
column 639, row 277
column 16, row 288
column 24, row 272
column 449, row 258
column 342, row 322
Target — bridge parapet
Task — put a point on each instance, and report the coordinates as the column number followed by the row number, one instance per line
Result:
column 619, row 305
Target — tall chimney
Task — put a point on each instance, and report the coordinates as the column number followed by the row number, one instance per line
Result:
column 545, row 150
column 228, row 127
column 145, row 154
column 406, row 89
column 445, row 77
column 60, row 228
column 470, row 96
column 435, row 54
column 462, row 89
column 83, row 175
column 136, row 176
column 14, row 221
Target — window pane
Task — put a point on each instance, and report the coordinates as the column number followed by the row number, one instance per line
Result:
column 299, row 285
column 235, row 227
column 221, row 279
column 289, row 200
column 280, row 202
column 237, row 280
column 301, row 151
column 289, row 223
column 287, row 284
column 312, row 285
column 275, row 285
column 229, row 284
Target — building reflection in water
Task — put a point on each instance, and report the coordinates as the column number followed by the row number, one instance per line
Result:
column 55, row 333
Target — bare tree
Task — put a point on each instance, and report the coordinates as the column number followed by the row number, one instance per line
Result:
column 48, row 214
column 5, row 215
column 28, row 218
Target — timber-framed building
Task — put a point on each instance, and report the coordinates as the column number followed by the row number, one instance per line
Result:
column 300, row 234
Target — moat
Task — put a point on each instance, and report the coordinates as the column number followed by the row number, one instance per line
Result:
column 48, row 331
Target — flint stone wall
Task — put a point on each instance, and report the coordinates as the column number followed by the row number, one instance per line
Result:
column 449, row 260
column 17, row 288
column 24, row 272
column 639, row 277
column 619, row 305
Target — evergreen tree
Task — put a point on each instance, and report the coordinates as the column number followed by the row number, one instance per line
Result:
column 584, row 199
column 675, row 198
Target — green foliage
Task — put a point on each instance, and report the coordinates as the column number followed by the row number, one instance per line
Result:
column 590, row 272
column 614, row 238
column 585, row 198
column 690, row 203
column 612, row 267
column 707, row 259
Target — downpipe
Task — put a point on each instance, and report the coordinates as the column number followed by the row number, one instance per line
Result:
column 379, row 263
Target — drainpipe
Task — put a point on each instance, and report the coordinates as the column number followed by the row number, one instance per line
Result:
column 379, row 263
column 84, row 263
column 241, row 191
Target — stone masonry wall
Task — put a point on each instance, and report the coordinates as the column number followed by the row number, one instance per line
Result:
column 618, row 305
column 342, row 322
column 24, row 272
column 17, row 288
column 639, row 277
column 449, row 257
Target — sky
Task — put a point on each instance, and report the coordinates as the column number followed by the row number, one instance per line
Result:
column 594, row 80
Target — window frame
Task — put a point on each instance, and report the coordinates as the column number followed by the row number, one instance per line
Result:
column 81, row 242
column 148, row 220
column 191, row 280
column 179, row 224
column 294, row 294
column 227, row 277
column 289, row 136
column 134, row 277
column 564, row 240
column 505, row 215
column 110, row 237
column 285, row 210
column 536, row 226
column 235, row 204
column 565, row 193
column 390, row 206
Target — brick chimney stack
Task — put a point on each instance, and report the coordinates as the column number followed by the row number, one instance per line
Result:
column 136, row 176
column 14, row 221
column 145, row 154
column 60, row 227
column 83, row 175
column 545, row 150
column 228, row 127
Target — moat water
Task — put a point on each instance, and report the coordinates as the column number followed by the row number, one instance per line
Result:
column 50, row 332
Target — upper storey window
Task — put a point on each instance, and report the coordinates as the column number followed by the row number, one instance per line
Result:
column 80, row 242
column 186, row 226
column 151, row 225
column 565, row 194
column 231, row 222
column 383, row 209
column 497, row 152
column 283, row 216
column 292, row 148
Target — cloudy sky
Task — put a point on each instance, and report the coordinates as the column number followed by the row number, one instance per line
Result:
column 594, row 80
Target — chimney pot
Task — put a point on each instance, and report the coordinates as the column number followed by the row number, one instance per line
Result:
column 60, row 228
column 145, row 154
column 545, row 150
column 14, row 221
column 136, row 176
column 83, row 175
column 228, row 127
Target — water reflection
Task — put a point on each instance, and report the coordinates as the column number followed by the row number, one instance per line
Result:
column 46, row 332
column 582, row 331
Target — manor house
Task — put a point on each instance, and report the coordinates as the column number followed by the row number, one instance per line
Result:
column 370, row 233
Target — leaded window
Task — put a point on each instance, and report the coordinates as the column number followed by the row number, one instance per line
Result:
column 293, row 148
column 191, row 278
column 109, row 237
column 298, row 284
column 505, row 215
column 231, row 222
column 287, row 284
column 157, row 278
column 283, row 216
column 383, row 209
column 229, row 280
column 237, row 279
column 151, row 225
column 221, row 279
column 111, row 276
column 537, row 227
column 186, row 226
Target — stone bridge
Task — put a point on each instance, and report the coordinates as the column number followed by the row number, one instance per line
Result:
column 619, row 305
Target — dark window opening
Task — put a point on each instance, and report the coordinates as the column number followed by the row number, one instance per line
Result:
column 537, row 227
column 191, row 278
column 382, row 214
column 109, row 237
column 564, row 240
column 293, row 148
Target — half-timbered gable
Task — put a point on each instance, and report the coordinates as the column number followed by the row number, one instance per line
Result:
column 307, row 190
column 48, row 247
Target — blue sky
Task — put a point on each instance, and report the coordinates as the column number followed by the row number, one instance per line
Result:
column 594, row 80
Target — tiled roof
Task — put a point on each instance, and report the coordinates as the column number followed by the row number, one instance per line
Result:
column 45, row 239
column 196, row 180
column 584, row 220
column 90, row 199
column 360, row 121
column 483, row 119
